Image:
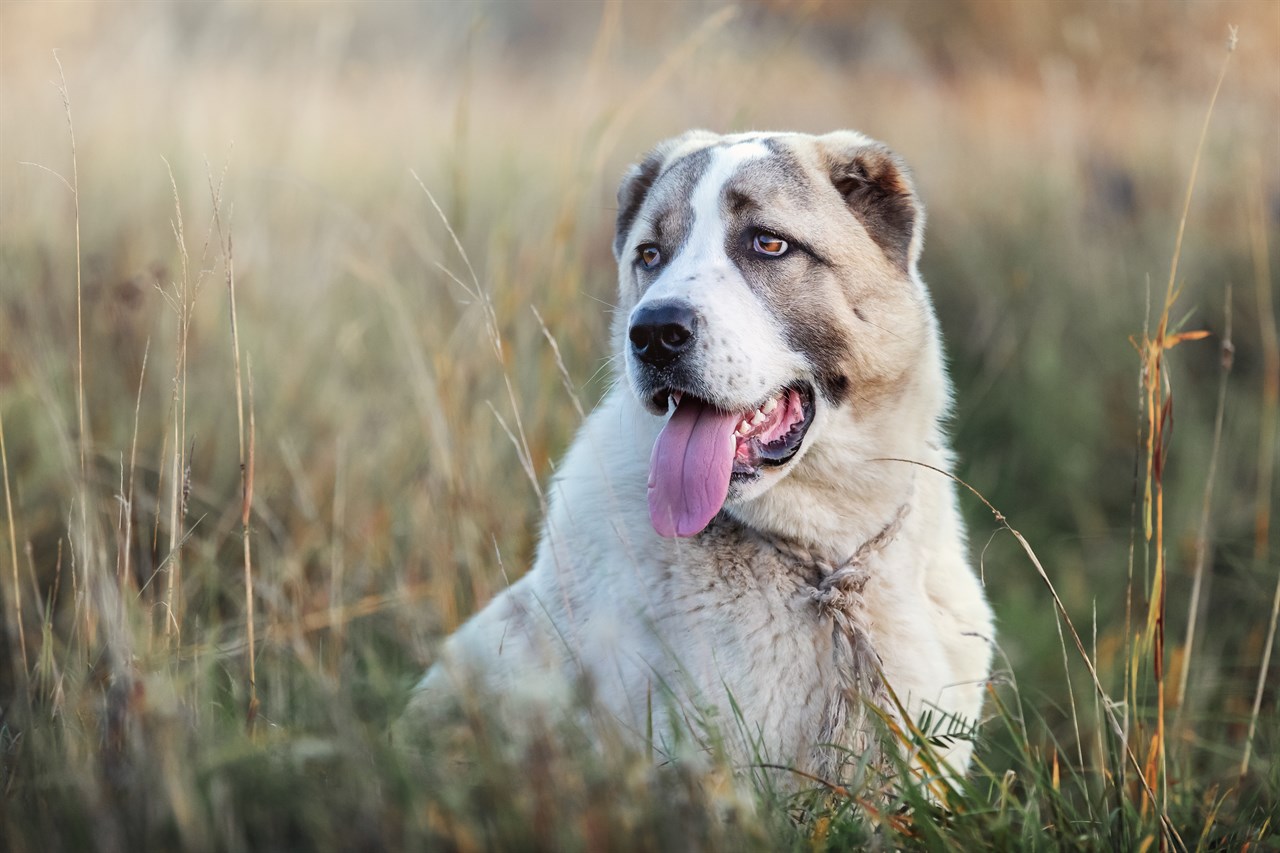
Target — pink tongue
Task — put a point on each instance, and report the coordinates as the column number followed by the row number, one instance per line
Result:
column 690, row 468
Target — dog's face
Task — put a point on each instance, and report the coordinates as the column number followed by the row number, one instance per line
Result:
column 769, row 302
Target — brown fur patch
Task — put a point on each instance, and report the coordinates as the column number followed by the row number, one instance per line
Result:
column 873, row 182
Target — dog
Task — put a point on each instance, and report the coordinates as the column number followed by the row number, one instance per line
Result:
column 753, row 530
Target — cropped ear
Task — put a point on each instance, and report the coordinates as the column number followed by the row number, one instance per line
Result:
column 640, row 177
column 877, row 186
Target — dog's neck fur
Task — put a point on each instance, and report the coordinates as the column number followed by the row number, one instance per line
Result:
column 830, row 572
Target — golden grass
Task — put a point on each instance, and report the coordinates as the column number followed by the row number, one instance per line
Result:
column 362, row 496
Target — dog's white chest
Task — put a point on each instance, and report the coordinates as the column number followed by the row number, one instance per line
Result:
column 736, row 637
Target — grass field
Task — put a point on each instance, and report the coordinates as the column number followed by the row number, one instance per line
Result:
column 173, row 677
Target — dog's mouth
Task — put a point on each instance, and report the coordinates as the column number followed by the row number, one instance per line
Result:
column 703, row 448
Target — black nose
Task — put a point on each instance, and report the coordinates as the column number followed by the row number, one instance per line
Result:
column 662, row 331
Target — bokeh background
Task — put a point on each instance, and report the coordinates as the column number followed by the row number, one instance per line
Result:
column 406, row 421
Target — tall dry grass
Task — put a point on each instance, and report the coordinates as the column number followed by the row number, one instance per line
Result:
column 239, row 516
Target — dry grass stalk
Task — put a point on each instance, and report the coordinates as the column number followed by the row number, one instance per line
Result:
column 82, row 435
column 481, row 296
column 899, row 823
column 337, row 546
column 1130, row 650
column 13, row 554
column 1168, row 830
column 1097, row 700
column 1270, row 376
column 1159, row 423
column 1071, row 694
column 564, row 371
column 160, row 481
column 247, row 446
column 1202, row 537
column 124, row 569
column 424, row 385
column 1266, row 443
column 476, row 292
column 181, row 303
column 49, row 675
column 75, row 195
column 246, row 510
column 327, row 618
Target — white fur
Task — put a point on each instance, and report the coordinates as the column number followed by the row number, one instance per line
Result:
column 752, row 361
column 663, row 634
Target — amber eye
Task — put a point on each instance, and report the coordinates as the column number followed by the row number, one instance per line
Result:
column 769, row 244
column 650, row 255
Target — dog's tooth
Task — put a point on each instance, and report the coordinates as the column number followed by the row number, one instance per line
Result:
column 757, row 419
column 768, row 407
column 744, row 427
column 676, row 395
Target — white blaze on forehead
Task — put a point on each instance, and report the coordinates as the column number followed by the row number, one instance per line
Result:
column 741, row 353
column 703, row 249
column 708, row 222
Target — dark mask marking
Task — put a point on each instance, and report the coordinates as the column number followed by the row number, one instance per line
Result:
column 786, row 284
column 666, row 214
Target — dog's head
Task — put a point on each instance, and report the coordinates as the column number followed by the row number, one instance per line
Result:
column 769, row 303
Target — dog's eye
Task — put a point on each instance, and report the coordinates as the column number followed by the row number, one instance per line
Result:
column 650, row 255
column 770, row 244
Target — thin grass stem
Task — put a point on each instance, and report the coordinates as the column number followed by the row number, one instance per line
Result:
column 13, row 556
column 1202, row 536
column 1266, row 446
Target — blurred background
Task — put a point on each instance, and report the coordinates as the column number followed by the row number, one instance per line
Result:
column 400, row 453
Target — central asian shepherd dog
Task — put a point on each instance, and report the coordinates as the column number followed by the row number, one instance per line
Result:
column 754, row 525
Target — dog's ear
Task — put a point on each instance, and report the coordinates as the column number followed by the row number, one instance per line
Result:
column 877, row 186
column 640, row 178
column 635, row 185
